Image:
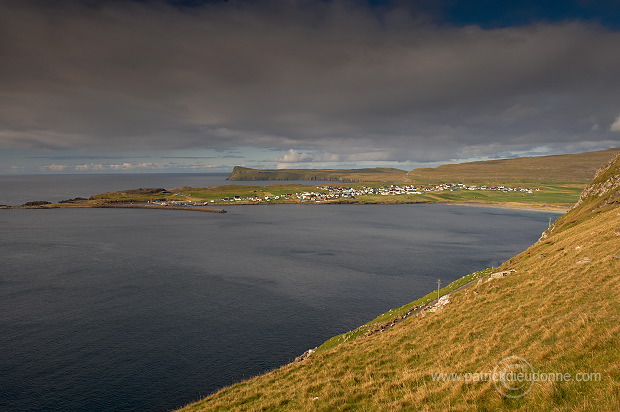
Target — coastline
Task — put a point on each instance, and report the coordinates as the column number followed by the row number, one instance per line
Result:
column 512, row 205
column 118, row 206
column 515, row 206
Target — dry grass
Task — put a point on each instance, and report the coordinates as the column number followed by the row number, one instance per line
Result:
column 576, row 168
column 560, row 315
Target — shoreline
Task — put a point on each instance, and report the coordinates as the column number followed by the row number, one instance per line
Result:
column 117, row 206
column 514, row 206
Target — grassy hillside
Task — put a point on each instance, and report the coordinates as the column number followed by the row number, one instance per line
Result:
column 340, row 175
column 566, row 169
column 571, row 168
column 559, row 311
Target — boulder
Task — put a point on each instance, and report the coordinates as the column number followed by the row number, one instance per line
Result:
column 499, row 275
column 305, row 355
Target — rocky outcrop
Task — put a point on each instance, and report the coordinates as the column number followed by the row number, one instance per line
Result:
column 145, row 191
column 599, row 195
column 305, row 355
column 441, row 302
column 36, row 203
column 74, row 200
column 606, row 184
column 499, row 275
column 382, row 327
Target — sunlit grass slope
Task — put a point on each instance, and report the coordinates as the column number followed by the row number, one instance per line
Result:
column 570, row 168
column 560, row 311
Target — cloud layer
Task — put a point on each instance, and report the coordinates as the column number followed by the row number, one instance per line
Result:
column 334, row 81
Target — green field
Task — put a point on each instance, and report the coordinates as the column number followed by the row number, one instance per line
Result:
column 556, row 195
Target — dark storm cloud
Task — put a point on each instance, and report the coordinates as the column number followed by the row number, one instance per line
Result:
column 202, row 157
column 85, row 157
column 334, row 81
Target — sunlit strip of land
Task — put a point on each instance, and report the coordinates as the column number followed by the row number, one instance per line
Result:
column 552, row 196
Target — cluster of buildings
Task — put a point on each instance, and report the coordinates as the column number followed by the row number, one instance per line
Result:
column 325, row 193
column 332, row 193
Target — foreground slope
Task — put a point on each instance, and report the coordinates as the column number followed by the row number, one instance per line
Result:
column 568, row 168
column 559, row 310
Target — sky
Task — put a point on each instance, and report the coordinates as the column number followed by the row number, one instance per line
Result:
column 141, row 86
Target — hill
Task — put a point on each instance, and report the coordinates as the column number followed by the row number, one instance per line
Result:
column 340, row 175
column 550, row 314
column 565, row 169
column 569, row 168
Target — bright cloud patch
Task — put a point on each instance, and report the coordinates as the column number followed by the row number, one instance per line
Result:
column 98, row 167
column 615, row 126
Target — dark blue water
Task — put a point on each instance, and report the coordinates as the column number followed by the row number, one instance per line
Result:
column 134, row 310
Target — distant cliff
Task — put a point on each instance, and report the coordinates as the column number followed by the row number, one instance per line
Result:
column 339, row 175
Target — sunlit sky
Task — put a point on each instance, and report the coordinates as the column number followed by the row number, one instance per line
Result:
column 112, row 86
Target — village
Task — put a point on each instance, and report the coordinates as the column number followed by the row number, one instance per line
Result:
column 334, row 193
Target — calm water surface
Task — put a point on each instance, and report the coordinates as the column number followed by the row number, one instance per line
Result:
column 133, row 310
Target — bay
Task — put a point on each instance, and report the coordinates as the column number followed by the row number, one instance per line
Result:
column 133, row 310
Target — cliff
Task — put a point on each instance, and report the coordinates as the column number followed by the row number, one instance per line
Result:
column 337, row 175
